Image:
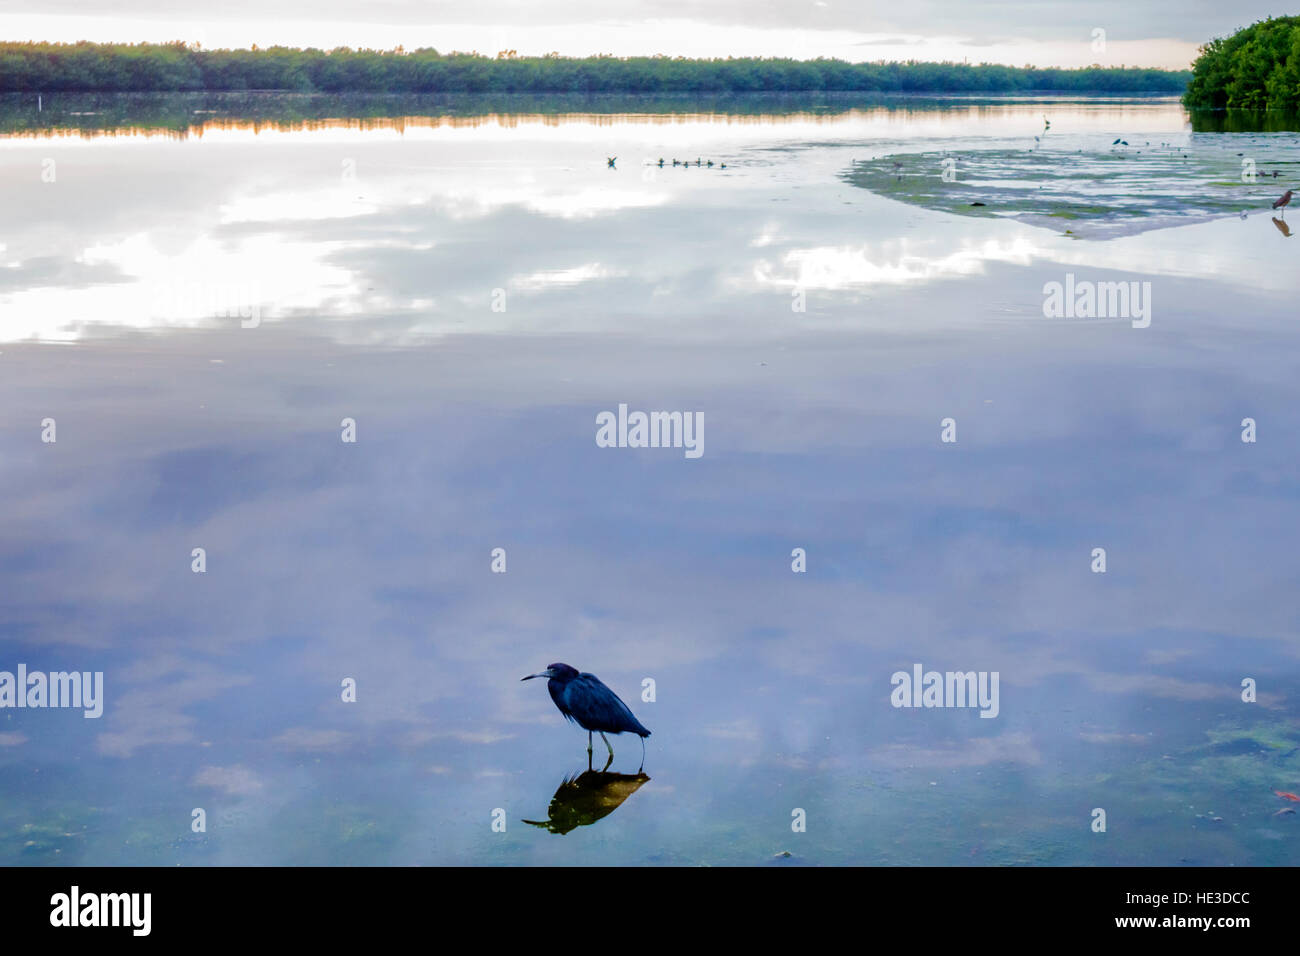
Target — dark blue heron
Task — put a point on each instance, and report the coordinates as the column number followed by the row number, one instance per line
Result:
column 593, row 706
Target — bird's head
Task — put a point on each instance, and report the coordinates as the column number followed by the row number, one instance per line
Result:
column 556, row 672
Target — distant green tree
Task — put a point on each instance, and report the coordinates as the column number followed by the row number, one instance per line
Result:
column 1255, row 68
column 119, row 67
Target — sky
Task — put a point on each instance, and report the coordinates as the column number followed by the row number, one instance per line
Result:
column 1157, row 33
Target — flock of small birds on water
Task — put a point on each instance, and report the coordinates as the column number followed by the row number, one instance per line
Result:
column 611, row 160
column 1119, row 141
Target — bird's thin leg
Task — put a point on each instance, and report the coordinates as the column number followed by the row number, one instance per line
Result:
column 607, row 746
column 642, row 767
column 589, row 749
column 608, row 760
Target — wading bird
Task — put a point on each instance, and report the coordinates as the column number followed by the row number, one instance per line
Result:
column 1280, row 202
column 593, row 706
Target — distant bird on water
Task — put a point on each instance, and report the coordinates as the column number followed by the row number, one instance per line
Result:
column 611, row 160
column 582, row 698
column 1281, row 202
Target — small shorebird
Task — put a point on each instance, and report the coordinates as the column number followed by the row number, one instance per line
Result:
column 1280, row 203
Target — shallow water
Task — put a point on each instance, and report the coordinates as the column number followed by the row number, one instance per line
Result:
column 367, row 259
column 1073, row 185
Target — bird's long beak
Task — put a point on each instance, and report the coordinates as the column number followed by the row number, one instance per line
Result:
column 531, row 676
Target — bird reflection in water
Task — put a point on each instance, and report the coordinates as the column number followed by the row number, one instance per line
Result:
column 1282, row 227
column 582, row 800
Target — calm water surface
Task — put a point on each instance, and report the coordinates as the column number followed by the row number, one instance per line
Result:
column 472, row 292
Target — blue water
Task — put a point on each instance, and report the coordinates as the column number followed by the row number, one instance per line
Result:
column 371, row 259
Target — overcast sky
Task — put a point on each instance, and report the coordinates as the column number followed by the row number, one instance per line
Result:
column 1162, row 33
